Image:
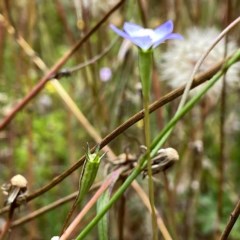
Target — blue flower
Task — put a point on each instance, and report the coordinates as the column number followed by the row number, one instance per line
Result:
column 105, row 74
column 146, row 38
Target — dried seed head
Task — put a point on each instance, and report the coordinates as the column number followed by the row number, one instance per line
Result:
column 170, row 153
column 19, row 181
column 164, row 159
column 17, row 188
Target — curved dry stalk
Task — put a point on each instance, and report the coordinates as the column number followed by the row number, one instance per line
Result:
column 43, row 210
column 69, row 71
column 203, row 57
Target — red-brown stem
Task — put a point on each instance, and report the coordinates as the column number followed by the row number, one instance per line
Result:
column 62, row 16
column 232, row 220
column 143, row 7
column 8, row 222
column 222, row 157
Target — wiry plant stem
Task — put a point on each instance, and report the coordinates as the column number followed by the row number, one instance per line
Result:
column 149, row 166
column 232, row 220
column 145, row 70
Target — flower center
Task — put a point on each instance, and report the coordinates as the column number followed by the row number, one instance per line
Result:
column 146, row 32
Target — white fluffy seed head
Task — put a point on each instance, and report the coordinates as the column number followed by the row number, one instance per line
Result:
column 178, row 61
column 170, row 153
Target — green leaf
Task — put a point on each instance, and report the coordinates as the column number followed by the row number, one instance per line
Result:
column 103, row 223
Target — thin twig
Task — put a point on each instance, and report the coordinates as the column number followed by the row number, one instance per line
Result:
column 9, row 221
column 233, row 218
column 68, row 71
column 49, row 207
column 203, row 57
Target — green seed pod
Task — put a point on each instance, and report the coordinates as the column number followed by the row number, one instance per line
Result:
column 87, row 177
column 89, row 172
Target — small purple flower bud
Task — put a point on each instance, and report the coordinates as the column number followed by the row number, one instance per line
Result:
column 105, row 74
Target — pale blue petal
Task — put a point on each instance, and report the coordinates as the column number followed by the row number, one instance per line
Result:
column 164, row 29
column 131, row 28
column 143, row 42
column 120, row 32
column 147, row 38
column 175, row 36
column 168, row 37
column 156, row 43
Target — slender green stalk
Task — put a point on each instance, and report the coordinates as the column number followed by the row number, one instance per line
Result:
column 157, row 143
column 145, row 70
column 149, row 167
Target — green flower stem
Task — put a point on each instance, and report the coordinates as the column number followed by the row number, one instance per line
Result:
column 145, row 70
column 149, row 167
column 157, row 143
